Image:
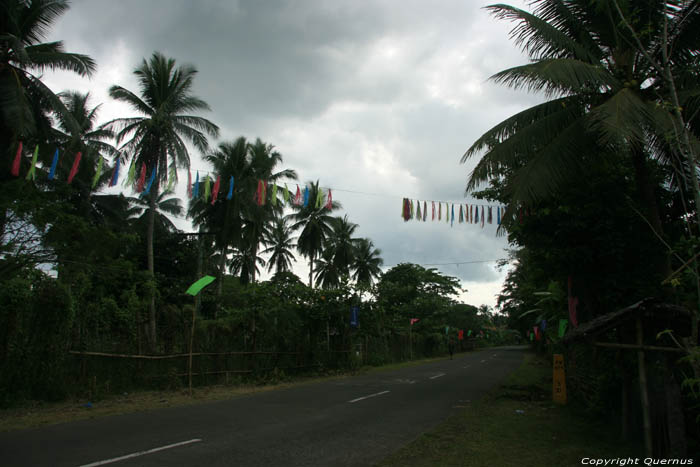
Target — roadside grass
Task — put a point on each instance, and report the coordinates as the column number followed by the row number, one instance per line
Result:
column 491, row 432
column 36, row 413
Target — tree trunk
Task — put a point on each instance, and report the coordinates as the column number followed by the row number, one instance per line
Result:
column 255, row 259
column 646, row 188
column 311, row 271
column 220, row 285
column 151, row 268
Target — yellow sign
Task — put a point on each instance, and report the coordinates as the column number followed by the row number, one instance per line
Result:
column 559, row 380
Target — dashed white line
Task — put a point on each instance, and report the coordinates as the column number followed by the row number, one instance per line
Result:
column 367, row 397
column 437, row 376
column 483, row 361
column 141, row 453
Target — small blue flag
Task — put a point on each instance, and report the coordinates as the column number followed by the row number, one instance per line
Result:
column 195, row 192
column 150, row 181
column 230, row 189
column 52, row 172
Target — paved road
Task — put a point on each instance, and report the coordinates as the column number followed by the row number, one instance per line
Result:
column 353, row 421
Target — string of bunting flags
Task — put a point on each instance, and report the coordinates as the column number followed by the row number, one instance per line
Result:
column 464, row 213
column 142, row 184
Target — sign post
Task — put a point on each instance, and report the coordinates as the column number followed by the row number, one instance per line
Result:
column 559, row 380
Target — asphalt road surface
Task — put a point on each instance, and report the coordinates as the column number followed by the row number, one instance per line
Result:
column 353, row 421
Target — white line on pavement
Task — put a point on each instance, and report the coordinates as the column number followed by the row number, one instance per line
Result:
column 141, row 453
column 437, row 376
column 466, row 366
column 367, row 397
column 483, row 361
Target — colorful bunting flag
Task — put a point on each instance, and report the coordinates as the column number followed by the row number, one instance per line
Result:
column 414, row 320
column 207, row 188
column 460, row 335
column 329, row 200
column 498, row 215
column 54, row 163
column 319, row 198
column 150, row 181
column 131, row 176
column 412, row 210
column 562, row 327
column 18, row 158
column 306, row 196
column 406, row 212
column 469, row 333
column 217, row 185
column 452, row 220
column 115, row 175
column 433, row 202
column 273, row 197
column 32, row 169
column 471, row 214
column 195, row 193
column 297, row 197
column 425, row 210
column 490, row 218
column 439, row 211
column 419, row 215
column 230, row 188
column 98, row 173
column 189, row 183
column 482, row 217
column 74, row 169
column 142, row 178
column 461, row 215
column 286, row 194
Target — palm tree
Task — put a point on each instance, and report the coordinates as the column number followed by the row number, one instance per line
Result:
column 342, row 244
column 367, row 263
column 280, row 239
column 327, row 273
column 263, row 160
column 156, row 138
column 245, row 263
column 165, row 204
column 604, row 95
column 24, row 100
column 315, row 225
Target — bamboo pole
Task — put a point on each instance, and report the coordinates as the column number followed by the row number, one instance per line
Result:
column 643, row 389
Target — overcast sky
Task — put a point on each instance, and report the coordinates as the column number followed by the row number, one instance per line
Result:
column 377, row 99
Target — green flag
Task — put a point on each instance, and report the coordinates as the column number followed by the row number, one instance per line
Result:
column 96, row 178
column 562, row 326
column 32, row 170
column 273, row 199
column 199, row 285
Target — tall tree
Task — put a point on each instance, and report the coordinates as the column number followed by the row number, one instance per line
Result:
column 604, row 97
column 24, row 100
column 315, row 225
column 367, row 263
column 342, row 244
column 281, row 243
column 156, row 138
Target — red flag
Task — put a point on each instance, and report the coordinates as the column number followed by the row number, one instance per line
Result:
column 329, row 202
column 573, row 302
column 216, row 189
column 414, row 320
column 538, row 336
column 189, row 183
column 433, row 210
column 297, row 197
column 142, row 178
column 74, row 169
column 18, row 158
column 460, row 334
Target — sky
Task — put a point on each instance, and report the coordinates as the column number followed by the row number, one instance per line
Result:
column 378, row 100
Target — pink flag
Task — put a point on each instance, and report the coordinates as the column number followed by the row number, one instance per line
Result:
column 297, row 197
column 142, row 178
column 573, row 302
column 329, row 202
column 189, row 183
column 74, row 169
column 216, row 189
column 18, row 158
column 414, row 320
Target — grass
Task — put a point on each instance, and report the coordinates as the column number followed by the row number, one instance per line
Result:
column 35, row 413
column 492, row 432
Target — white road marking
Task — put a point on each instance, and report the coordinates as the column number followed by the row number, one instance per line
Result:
column 367, row 397
column 494, row 355
column 483, row 361
column 141, row 453
column 437, row 376
column 466, row 366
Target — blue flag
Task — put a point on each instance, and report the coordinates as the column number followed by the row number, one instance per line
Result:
column 306, row 196
column 230, row 189
column 150, row 181
column 52, row 172
column 195, row 191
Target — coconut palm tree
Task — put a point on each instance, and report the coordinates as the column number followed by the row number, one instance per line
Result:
column 327, row 273
column 155, row 139
column 315, row 225
column 367, row 263
column 25, row 101
column 165, row 204
column 342, row 244
column 604, row 97
column 281, row 242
